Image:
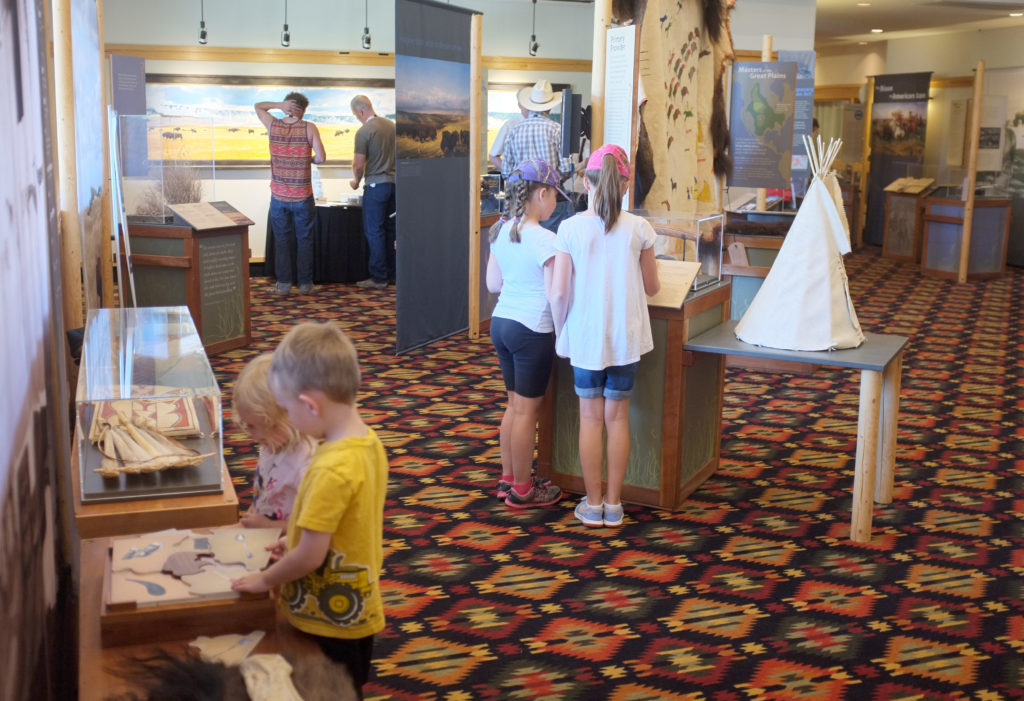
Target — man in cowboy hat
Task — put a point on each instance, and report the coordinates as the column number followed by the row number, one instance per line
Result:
column 537, row 136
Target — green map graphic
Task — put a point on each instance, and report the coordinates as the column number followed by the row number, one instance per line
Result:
column 762, row 112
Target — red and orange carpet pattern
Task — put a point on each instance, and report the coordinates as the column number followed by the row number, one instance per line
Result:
column 752, row 591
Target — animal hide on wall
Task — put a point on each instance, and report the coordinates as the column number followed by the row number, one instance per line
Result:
column 683, row 136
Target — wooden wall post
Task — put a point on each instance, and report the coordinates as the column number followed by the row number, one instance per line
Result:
column 475, row 73
column 67, row 193
column 865, row 169
column 766, row 55
column 106, row 226
column 602, row 20
column 972, row 172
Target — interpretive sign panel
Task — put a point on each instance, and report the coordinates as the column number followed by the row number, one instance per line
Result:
column 761, row 124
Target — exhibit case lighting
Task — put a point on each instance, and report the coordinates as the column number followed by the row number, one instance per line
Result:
column 286, row 36
column 202, row 23
column 533, row 29
column 367, row 39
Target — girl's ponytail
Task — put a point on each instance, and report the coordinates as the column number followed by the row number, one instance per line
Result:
column 607, row 191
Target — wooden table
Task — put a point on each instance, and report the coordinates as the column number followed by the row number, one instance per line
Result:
column 148, row 515
column 880, row 361
column 97, row 665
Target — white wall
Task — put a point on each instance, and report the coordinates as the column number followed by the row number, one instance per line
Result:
column 790, row 22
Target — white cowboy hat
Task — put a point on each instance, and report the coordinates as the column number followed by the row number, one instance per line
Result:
column 539, row 98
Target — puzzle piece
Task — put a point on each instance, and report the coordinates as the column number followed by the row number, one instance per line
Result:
column 246, row 546
column 142, row 589
column 185, row 562
column 227, row 649
column 146, row 554
column 214, row 579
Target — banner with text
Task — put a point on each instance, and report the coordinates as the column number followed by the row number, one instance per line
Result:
column 898, row 120
column 761, row 124
column 432, row 96
column 803, row 116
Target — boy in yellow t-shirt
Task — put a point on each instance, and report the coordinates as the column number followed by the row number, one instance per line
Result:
column 330, row 568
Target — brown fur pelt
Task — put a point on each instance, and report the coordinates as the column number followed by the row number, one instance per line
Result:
column 167, row 677
column 625, row 11
column 719, row 128
column 644, row 161
column 714, row 19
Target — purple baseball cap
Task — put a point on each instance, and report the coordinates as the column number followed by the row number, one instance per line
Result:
column 621, row 159
column 538, row 171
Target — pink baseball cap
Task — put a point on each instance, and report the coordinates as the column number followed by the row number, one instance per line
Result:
column 621, row 159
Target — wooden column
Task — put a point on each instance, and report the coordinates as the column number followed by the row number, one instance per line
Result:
column 865, row 169
column 866, row 462
column 475, row 73
column 972, row 172
column 766, row 55
column 67, row 192
column 106, row 226
column 602, row 20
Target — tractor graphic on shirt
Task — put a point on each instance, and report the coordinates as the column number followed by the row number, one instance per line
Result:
column 336, row 592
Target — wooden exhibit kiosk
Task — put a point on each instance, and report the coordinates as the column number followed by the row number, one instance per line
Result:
column 200, row 259
column 945, row 215
column 675, row 406
column 904, row 212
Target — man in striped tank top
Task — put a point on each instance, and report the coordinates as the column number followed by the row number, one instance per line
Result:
column 292, row 209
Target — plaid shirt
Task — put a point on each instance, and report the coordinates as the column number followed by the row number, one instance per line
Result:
column 537, row 136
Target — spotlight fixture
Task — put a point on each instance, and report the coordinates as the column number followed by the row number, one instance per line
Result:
column 286, row 36
column 533, row 32
column 367, row 39
column 202, row 23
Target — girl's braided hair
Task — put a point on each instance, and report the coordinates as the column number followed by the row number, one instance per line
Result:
column 517, row 194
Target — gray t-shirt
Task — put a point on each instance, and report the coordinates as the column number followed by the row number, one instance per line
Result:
column 376, row 140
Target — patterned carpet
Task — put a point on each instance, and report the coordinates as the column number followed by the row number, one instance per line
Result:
column 749, row 592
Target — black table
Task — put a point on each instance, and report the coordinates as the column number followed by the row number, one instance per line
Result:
column 340, row 253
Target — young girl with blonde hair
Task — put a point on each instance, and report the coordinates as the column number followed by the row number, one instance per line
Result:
column 519, row 268
column 604, row 270
column 284, row 453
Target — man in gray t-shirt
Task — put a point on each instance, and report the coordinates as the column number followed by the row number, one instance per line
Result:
column 374, row 160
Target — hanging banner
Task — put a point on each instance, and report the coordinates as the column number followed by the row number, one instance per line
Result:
column 803, row 116
column 432, row 96
column 761, row 124
column 898, row 121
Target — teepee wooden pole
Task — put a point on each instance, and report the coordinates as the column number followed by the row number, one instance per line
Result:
column 602, row 20
column 475, row 42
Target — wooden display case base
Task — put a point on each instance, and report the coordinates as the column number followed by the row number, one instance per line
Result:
column 148, row 515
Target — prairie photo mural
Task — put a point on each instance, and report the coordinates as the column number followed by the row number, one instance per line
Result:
column 205, row 119
column 435, row 120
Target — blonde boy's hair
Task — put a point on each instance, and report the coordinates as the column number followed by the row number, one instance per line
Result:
column 317, row 356
column 252, row 394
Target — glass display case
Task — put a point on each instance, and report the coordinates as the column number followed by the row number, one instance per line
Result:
column 701, row 236
column 945, row 213
column 148, row 407
column 169, row 160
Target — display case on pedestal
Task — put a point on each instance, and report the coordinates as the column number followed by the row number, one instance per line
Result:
column 148, row 408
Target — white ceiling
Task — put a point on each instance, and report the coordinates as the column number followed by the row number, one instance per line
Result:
column 841, row 22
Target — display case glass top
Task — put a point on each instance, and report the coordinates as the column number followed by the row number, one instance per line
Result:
column 148, row 407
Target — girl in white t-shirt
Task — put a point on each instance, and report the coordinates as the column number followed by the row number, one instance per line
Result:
column 519, row 268
column 284, row 453
column 604, row 270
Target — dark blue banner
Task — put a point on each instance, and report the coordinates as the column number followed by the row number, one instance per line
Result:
column 432, row 96
column 898, row 120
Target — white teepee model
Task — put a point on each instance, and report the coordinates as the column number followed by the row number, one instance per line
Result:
column 804, row 303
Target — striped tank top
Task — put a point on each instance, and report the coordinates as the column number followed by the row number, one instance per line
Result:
column 290, row 177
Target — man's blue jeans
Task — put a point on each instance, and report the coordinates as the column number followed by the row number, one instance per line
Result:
column 293, row 219
column 379, row 227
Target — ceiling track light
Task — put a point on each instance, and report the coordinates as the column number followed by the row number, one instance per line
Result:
column 202, row 23
column 533, row 46
column 367, row 39
column 286, row 36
